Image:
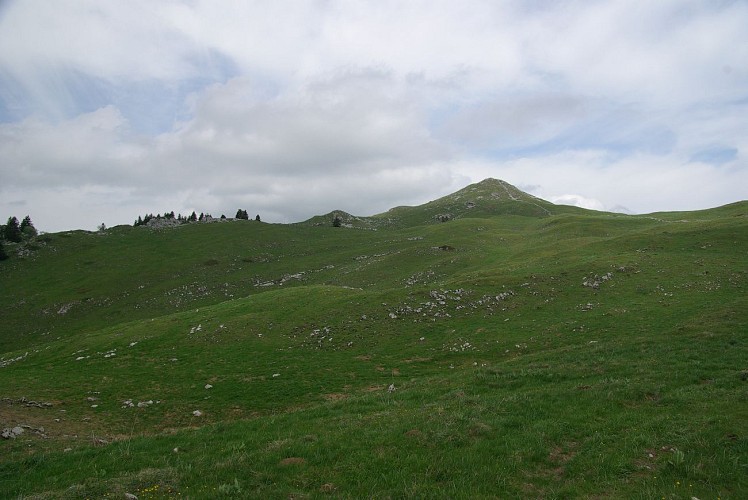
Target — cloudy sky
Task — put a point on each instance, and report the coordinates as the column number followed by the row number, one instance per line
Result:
column 111, row 109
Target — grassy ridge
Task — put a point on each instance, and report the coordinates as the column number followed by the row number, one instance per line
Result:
column 569, row 354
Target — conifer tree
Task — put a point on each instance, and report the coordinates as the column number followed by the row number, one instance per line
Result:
column 27, row 227
column 12, row 231
column 3, row 255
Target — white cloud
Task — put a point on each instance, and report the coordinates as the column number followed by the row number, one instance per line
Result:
column 578, row 201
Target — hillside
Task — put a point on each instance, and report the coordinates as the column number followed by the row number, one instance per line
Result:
column 488, row 198
column 515, row 348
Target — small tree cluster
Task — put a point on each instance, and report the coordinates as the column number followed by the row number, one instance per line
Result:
column 16, row 232
column 243, row 215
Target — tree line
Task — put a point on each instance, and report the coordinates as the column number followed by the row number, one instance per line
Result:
column 15, row 232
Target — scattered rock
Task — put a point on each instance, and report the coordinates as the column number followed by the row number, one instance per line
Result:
column 595, row 281
column 66, row 307
column 130, row 496
column 197, row 413
column 11, row 433
column 208, row 386
column 6, row 362
column 27, row 402
column 391, row 388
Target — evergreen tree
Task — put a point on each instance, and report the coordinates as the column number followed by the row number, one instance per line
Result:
column 337, row 221
column 242, row 214
column 257, row 218
column 3, row 255
column 192, row 217
column 12, row 231
column 27, row 227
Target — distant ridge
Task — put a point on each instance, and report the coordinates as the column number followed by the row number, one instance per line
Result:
column 487, row 198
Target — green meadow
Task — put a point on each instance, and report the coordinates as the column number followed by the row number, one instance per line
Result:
column 488, row 344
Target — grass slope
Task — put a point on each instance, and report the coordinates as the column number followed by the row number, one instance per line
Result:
column 506, row 353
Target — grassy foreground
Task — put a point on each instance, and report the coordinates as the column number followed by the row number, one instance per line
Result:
column 519, row 350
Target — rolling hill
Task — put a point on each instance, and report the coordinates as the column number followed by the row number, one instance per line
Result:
column 485, row 344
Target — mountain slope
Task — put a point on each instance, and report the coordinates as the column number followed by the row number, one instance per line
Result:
column 487, row 198
column 571, row 354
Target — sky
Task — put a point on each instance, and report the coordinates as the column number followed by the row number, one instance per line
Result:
column 292, row 108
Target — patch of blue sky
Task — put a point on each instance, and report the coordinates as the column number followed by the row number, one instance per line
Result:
column 150, row 106
column 716, row 155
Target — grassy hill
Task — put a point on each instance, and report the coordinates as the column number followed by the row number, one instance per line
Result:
column 514, row 348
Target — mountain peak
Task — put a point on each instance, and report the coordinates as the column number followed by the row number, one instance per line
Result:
column 487, row 198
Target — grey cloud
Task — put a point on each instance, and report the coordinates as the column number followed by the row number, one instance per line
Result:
column 514, row 121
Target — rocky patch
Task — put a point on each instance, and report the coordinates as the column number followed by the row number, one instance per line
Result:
column 594, row 281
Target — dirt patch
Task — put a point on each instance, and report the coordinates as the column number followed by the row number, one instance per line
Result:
column 292, row 461
column 417, row 360
column 479, row 429
column 414, row 433
column 47, row 422
column 327, row 488
column 561, row 455
column 374, row 388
